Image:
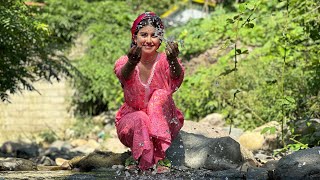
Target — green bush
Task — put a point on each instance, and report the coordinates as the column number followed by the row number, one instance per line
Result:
column 28, row 50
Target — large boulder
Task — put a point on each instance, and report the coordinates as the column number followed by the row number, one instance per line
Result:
column 198, row 151
column 303, row 164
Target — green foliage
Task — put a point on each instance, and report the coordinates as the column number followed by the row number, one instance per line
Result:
column 278, row 78
column 165, row 162
column 27, row 50
column 65, row 18
column 272, row 130
column 291, row 147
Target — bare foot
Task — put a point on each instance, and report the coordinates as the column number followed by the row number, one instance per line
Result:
column 132, row 167
column 162, row 169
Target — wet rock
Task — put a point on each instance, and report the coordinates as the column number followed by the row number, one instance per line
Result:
column 197, row 151
column 17, row 164
column 257, row 174
column 270, row 165
column 224, row 174
column 100, row 159
column 302, row 164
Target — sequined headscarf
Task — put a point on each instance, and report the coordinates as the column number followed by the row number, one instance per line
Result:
column 147, row 18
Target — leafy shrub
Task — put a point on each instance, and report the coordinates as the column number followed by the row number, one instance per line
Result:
column 28, row 51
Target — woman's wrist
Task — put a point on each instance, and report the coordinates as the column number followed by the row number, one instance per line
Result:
column 173, row 61
column 131, row 64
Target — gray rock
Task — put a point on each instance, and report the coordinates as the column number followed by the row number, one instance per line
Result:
column 257, row 174
column 10, row 148
column 225, row 174
column 27, row 151
column 303, row 164
column 270, row 165
column 20, row 150
column 17, row 164
column 197, row 151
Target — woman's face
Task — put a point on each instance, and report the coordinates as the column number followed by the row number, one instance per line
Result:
column 148, row 39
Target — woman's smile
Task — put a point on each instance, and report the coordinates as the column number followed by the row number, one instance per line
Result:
column 147, row 39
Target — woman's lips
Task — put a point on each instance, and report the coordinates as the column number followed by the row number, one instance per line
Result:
column 148, row 46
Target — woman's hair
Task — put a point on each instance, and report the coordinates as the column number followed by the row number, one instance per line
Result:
column 147, row 18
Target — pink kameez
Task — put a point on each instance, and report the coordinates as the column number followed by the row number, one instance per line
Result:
column 148, row 121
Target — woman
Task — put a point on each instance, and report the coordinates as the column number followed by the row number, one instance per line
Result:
column 148, row 120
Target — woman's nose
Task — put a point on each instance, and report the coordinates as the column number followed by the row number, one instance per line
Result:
column 149, row 39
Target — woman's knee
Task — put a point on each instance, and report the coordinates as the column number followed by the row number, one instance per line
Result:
column 160, row 92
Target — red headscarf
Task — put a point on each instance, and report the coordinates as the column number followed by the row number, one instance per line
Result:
column 140, row 18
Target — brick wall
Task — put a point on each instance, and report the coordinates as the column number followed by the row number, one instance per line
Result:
column 30, row 112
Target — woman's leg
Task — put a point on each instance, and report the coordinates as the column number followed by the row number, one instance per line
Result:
column 133, row 132
column 164, row 121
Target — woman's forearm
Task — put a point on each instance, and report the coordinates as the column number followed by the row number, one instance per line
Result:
column 127, row 70
column 175, row 68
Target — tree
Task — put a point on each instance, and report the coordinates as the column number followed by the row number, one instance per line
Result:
column 28, row 50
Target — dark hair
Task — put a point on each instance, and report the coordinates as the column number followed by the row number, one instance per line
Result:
column 154, row 21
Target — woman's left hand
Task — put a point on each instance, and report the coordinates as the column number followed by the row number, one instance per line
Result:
column 172, row 51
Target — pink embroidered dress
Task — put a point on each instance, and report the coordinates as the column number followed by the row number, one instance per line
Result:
column 148, row 121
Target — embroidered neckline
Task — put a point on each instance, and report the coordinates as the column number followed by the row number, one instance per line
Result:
column 151, row 74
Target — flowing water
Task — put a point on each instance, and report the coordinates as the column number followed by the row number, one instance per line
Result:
column 119, row 174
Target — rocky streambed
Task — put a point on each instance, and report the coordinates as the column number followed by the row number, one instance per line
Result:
column 201, row 151
column 192, row 156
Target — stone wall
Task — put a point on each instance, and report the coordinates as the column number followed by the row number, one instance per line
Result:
column 30, row 112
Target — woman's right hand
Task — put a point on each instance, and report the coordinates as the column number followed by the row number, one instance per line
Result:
column 134, row 55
